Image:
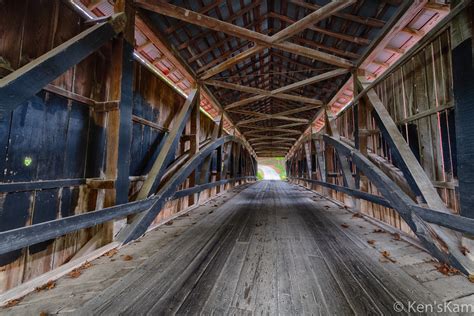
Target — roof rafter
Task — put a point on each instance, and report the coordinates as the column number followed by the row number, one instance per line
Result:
column 261, row 40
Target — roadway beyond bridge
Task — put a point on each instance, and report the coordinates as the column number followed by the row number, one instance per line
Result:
column 265, row 248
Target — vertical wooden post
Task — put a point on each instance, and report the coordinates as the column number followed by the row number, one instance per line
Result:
column 362, row 133
column 463, row 87
column 195, row 122
column 463, row 84
column 331, row 129
column 307, row 150
column 119, row 122
column 205, row 174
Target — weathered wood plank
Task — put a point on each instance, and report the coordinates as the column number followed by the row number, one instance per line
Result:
column 23, row 83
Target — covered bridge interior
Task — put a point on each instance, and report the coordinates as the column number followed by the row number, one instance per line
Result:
column 131, row 133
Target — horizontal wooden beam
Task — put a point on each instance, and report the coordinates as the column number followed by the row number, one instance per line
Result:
column 261, row 40
column 286, row 112
column 274, row 117
column 288, row 32
column 337, row 35
column 206, row 186
column 26, row 236
column 279, row 126
column 30, row 235
column 245, row 101
column 28, row 80
column 312, row 80
column 40, row 185
column 270, row 130
column 275, row 142
column 260, row 92
column 376, row 23
column 455, row 222
column 309, row 20
column 272, row 138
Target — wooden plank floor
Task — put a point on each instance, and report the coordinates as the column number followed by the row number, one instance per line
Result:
column 273, row 248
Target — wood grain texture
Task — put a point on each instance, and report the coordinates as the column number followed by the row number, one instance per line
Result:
column 270, row 249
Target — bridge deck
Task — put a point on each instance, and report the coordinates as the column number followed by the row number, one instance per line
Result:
column 270, row 248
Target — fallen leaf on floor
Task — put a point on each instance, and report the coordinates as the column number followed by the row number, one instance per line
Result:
column 358, row 215
column 127, row 258
column 74, row 274
column 464, row 250
column 111, row 252
column 386, row 255
column 44, row 314
column 371, row 241
column 344, row 225
column 48, row 286
column 14, row 302
column 446, row 269
column 169, row 223
column 86, row 265
column 471, row 278
column 396, row 236
column 378, row 230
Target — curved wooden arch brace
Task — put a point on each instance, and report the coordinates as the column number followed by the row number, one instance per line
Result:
column 455, row 222
column 440, row 244
column 150, row 207
column 142, row 221
column 23, row 83
column 26, row 236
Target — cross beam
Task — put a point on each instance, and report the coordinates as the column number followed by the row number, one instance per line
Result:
column 262, row 93
column 277, row 116
column 261, row 40
column 277, row 93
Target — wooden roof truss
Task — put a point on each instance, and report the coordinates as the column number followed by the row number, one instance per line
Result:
column 270, row 63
